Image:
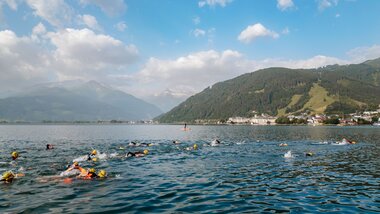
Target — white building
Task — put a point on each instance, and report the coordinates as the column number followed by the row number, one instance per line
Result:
column 259, row 120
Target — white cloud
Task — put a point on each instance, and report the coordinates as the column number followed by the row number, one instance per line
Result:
column 313, row 62
column 284, row 4
column 213, row 3
column 111, row 8
column 13, row 4
column 187, row 75
column 22, row 61
column 254, row 31
column 38, row 32
column 199, row 32
column 39, row 29
column 121, row 26
column 361, row 54
column 84, row 54
column 56, row 12
column 89, row 21
column 62, row 55
column 323, row 4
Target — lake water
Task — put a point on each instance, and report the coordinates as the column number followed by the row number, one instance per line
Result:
column 246, row 173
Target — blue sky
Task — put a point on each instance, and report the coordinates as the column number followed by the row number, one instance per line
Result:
column 166, row 50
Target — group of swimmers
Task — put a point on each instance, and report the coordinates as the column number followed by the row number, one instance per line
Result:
column 83, row 173
column 9, row 176
column 344, row 141
column 91, row 173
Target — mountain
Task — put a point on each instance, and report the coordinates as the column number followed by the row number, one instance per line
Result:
column 167, row 99
column 280, row 91
column 74, row 101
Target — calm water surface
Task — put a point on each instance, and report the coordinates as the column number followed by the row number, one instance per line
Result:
column 247, row 173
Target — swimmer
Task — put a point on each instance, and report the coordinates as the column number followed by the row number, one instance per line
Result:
column 309, row 154
column 92, row 155
column 75, row 165
column 288, row 154
column 194, row 147
column 138, row 154
column 176, row 142
column 215, row 142
column 14, row 155
column 345, row 140
column 8, row 176
column 92, row 174
column 133, row 143
column 49, row 146
column 102, row 173
column 283, row 144
column 139, row 144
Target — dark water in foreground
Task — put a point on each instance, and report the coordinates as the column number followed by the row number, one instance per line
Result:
column 247, row 173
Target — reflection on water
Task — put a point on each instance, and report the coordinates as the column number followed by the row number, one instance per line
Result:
column 247, row 173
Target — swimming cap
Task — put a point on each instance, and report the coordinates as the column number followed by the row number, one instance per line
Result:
column 94, row 152
column 92, row 170
column 146, row 151
column 102, row 173
column 8, row 176
column 14, row 154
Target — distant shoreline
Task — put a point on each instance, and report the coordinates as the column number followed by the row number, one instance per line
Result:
column 156, row 123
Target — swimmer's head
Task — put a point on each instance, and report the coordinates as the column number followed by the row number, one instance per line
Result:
column 102, row 173
column 14, row 155
column 8, row 176
column 195, row 146
column 95, row 159
column 75, row 163
column 146, row 152
column 92, row 170
column 94, row 152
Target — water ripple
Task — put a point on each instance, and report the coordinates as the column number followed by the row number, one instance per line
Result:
column 246, row 174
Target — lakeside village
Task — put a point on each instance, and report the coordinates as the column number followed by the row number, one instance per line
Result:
column 360, row 118
column 354, row 119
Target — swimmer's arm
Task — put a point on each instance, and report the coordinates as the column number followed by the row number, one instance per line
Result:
column 19, row 175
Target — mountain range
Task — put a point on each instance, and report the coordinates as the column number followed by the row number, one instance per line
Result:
column 74, row 101
column 334, row 89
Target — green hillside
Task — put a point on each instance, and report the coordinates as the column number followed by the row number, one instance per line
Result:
column 280, row 91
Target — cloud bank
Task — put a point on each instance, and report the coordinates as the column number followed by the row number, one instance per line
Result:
column 61, row 55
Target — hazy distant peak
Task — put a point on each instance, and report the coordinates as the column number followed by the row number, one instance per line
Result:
column 75, row 100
